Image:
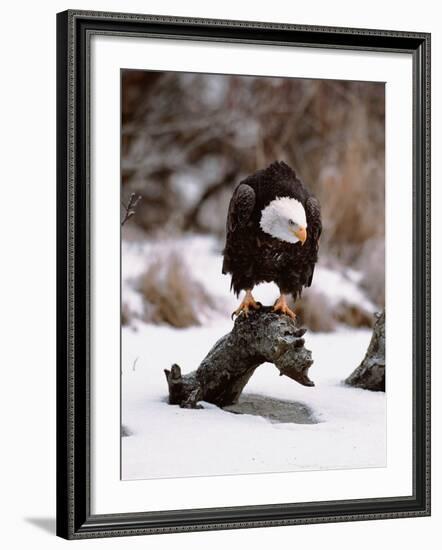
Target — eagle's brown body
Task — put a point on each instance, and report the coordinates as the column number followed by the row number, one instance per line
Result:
column 252, row 256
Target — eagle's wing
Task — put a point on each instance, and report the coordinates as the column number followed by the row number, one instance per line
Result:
column 241, row 207
column 314, row 229
column 240, row 210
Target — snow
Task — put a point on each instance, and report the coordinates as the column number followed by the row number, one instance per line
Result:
column 342, row 287
column 167, row 441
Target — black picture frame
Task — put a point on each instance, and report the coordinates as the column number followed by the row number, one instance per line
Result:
column 74, row 518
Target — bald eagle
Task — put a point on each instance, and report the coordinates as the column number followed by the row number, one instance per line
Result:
column 272, row 234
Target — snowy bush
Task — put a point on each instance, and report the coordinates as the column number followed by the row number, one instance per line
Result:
column 171, row 294
column 320, row 314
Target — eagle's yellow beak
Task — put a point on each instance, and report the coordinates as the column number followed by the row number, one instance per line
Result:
column 301, row 233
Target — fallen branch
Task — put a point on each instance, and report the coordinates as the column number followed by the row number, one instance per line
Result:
column 264, row 336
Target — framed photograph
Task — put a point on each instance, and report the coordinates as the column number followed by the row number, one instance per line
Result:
column 243, row 274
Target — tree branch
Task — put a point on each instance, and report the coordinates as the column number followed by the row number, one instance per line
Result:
column 370, row 375
column 130, row 208
column 263, row 336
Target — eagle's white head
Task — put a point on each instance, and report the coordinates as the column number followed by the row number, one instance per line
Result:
column 284, row 218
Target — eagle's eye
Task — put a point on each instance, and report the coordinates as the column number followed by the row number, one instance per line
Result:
column 291, row 222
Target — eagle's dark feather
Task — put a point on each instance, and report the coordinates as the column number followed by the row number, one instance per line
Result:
column 252, row 256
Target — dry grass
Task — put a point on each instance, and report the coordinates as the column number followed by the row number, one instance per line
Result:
column 172, row 296
column 352, row 192
column 353, row 315
column 125, row 315
column 315, row 312
column 372, row 264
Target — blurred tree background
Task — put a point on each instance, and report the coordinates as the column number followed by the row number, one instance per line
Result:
column 189, row 139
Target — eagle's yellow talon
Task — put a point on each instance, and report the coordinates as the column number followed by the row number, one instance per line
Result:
column 246, row 305
column 281, row 305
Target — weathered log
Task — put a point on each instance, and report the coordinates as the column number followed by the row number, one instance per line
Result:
column 370, row 374
column 263, row 336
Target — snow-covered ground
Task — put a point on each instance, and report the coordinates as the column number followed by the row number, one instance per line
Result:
column 166, row 441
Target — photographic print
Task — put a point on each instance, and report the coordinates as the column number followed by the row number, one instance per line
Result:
column 241, row 248
column 252, row 274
